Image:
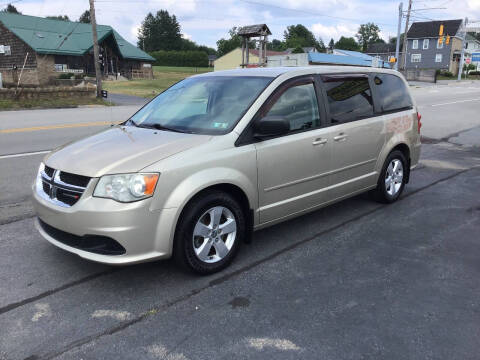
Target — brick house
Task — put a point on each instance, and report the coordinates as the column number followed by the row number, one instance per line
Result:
column 424, row 51
column 45, row 48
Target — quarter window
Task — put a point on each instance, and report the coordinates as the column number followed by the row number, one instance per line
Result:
column 416, row 58
column 425, row 44
column 438, row 58
column 415, row 44
column 299, row 106
column 392, row 93
column 349, row 99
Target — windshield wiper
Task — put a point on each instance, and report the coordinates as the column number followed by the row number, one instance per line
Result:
column 154, row 126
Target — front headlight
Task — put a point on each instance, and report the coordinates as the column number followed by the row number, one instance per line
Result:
column 126, row 187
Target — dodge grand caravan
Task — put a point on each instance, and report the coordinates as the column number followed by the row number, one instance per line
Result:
column 218, row 155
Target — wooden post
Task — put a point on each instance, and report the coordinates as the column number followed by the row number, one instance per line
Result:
column 98, row 74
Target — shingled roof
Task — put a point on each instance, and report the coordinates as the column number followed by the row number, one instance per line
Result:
column 429, row 29
column 49, row 36
column 254, row 30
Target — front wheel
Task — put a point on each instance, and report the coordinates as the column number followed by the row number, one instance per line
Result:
column 210, row 232
column 392, row 178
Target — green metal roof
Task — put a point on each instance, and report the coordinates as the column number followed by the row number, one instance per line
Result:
column 49, row 36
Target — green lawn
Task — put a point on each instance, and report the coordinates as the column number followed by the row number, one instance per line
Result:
column 165, row 76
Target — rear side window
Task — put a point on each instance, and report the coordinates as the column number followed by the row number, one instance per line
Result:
column 299, row 106
column 392, row 93
column 349, row 98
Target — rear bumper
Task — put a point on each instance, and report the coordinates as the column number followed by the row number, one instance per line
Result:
column 141, row 234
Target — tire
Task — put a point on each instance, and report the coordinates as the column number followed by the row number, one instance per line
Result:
column 389, row 189
column 210, row 232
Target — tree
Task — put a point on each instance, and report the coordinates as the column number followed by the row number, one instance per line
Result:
column 321, row 46
column 345, row 43
column 85, row 17
column 11, row 9
column 299, row 36
column 368, row 33
column 331, row 44
column 393, row 40
column 276, row 45
column 59, row 17
column 298, row 50
column 224, row 46
column 160, row 32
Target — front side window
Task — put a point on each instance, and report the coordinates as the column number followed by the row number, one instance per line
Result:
column 392, row 93
column 439, row 45
column 416, row 58
column 202, row 105
column 349, row 99
column 438, row 58
column 415, row 44
column 425, row 43
column 298, row 104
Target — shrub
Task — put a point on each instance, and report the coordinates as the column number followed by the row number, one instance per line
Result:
column 79, row 76
column 180, row 58
column 64, row 76
column 445, row 73
column 474, row 73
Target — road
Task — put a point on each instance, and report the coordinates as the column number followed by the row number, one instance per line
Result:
column 354, row 280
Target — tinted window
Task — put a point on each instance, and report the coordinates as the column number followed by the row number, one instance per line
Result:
column 392, row 92
column 205, row 104
column 349, row 99
column 299, row 105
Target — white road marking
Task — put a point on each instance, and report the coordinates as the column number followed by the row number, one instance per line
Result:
column 455, row 102
column 43, row 309
column 279, row 344
column 114, row 314
column 24, row 154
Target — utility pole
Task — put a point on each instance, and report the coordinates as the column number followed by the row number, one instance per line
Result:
column 404, row 56
column 462, row 57
column 397, row 47
column 96, row 58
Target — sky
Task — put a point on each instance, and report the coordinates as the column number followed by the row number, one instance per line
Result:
column 206, row 21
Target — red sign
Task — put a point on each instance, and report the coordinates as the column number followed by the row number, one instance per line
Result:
column 468, row 60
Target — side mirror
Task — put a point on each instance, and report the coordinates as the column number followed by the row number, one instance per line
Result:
column 269, row 126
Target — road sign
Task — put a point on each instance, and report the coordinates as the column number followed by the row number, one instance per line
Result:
column 476, row 57
column 468, row 60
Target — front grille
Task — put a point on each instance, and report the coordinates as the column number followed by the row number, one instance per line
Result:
column 73, row 179
column 62, row 188
column 93, row 243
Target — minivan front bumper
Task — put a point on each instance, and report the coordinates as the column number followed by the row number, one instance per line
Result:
column 127, row 233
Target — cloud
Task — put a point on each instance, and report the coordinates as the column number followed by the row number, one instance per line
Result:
column 334, row 31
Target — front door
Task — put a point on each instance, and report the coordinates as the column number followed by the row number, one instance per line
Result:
column 293, row 168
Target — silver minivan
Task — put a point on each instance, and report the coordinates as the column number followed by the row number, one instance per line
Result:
column 219, row 155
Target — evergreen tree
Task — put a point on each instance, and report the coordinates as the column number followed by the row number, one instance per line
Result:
column 331, row 44
column 160, row 32
column 85, row 17
column 321, row 46
column 11, row 9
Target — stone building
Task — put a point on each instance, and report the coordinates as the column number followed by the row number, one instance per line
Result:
column 45, row 48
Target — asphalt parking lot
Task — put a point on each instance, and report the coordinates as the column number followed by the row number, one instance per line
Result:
column 356, row 280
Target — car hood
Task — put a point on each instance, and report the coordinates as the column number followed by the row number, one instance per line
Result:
column 121, row 149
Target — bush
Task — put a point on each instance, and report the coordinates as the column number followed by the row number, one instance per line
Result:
column 64, row 76
column 474, row 73
column 445, row 73
column 79, row 76
column 180, row 58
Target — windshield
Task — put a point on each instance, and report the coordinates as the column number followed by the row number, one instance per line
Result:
column 202, row 105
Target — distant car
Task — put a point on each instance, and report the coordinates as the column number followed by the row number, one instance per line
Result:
column 218, row 155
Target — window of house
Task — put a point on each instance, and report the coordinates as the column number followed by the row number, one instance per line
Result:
column 439, row 45
column 426, row 42
column 349, row 99
column 299, row 106
column 394, row 95
column 415, row 44
column 438, row 58
column 416, row 58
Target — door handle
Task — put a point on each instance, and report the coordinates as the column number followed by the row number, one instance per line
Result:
column 340, row 137
column 319, row 141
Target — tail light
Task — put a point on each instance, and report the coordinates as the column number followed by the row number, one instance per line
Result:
column 419, row 118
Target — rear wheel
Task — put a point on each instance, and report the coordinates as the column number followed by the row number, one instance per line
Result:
column 210, row 232
column 392, row 178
